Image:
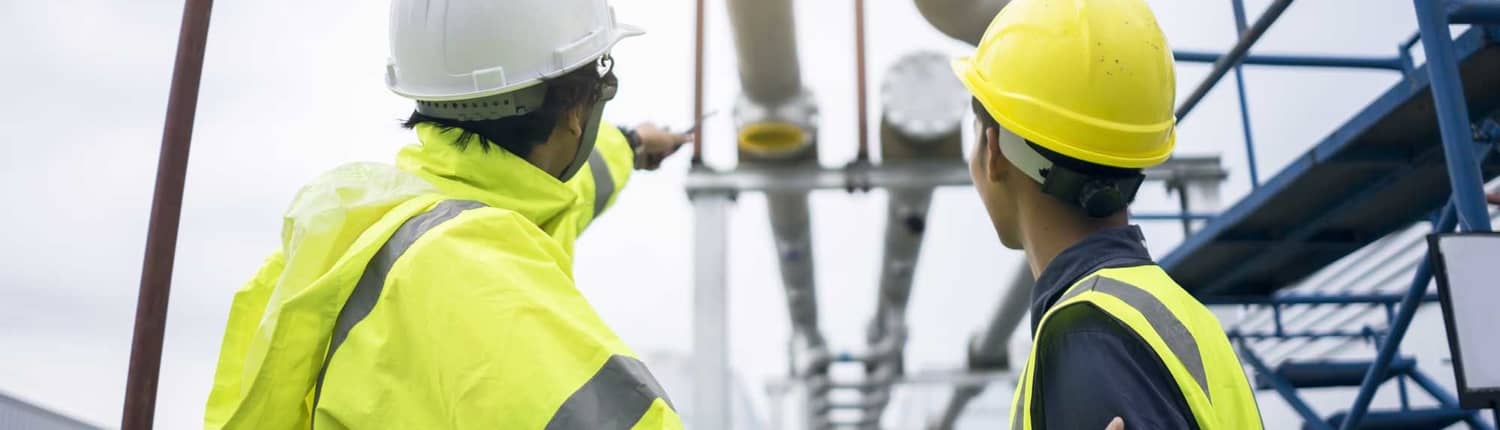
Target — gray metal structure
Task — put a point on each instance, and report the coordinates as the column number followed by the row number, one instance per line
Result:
column 713, row 194
column 19, row 414
column 922, row 114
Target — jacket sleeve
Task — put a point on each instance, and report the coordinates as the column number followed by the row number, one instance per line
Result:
column 479, row 326
column 1090, row 369
column 608, row 169
column 244, row 317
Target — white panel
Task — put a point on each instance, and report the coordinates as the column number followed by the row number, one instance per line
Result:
column 1474, row 289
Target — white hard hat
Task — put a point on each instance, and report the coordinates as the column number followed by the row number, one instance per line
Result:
column 444, row 50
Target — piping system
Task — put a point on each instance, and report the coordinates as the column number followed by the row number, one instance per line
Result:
column 777, row 126
column 922, row 112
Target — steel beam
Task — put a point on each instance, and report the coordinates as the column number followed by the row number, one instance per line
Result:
column 1283, row 387
column 1474, row 11
column 1392, row 343
column 906, row 174
column 1316, row 299
column 1297, row 60
column 710, row 311
column 1453, row 116
column 1234, row 56
column 1239, row 83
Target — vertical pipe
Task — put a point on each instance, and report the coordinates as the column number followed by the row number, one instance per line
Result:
column 1183, row 203
column 789, row 214
column 1401, row 388
column 859, row 80
column 1453, row 116
column 698, row 84
column 1404, row 314
column 956, row 404
column 1239, row 82
column 766, row 46
column 990, row 348
column 710, row 319
column 906, row 223
column 166, row 211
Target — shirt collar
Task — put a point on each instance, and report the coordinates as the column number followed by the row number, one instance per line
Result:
column 1113, row 247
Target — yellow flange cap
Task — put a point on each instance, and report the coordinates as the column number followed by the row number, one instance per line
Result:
column 772, row 138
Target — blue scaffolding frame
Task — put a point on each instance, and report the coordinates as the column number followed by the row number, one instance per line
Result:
column 1242, row 227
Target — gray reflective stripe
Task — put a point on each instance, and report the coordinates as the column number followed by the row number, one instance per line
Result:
column 367, row 290
column 604, row 184
column 1166, row 324
column 616, row 397
column 1023, row 402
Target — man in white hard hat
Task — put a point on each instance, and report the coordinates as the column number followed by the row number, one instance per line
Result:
column 438, row 293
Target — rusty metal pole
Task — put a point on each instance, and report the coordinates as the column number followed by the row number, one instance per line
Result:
column 698, row 86
column 859, row 79
column 166, row 210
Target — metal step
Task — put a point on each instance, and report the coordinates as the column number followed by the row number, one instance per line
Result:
column 1416, row 419
column 1317, row 374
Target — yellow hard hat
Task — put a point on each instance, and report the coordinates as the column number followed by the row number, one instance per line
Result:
column 1091, row 80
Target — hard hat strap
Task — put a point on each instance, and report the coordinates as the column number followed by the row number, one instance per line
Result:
column 1098, row 196
column 1023, row 156
column 603, row 93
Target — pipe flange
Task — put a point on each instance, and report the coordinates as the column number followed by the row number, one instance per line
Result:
column 777, row 132
column 922, row 100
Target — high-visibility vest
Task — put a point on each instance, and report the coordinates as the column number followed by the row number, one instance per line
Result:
column 435, row 294
column 1182, row 332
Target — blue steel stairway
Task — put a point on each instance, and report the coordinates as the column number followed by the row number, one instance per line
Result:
column 1381, row 171
column 1421, row 151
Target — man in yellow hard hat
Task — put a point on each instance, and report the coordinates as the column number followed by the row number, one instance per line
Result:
column 438, row 293
column 1073, row 99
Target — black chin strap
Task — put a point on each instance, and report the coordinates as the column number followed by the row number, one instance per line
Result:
column 603, row 93
column 585, row 141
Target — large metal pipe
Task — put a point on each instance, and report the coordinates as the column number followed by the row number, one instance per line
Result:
column 906, row 221
column 166, row 211
column 698, row 18
column 922, row 112
column 766, row 45
column 989, row 349
column 964, row 20
column 789, row 224
column 777, row 118
column 711, row 377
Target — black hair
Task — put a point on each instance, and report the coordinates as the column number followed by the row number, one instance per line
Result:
column 520, row 134
column 1087, row 168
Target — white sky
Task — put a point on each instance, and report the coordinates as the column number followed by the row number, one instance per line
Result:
column 293, row 88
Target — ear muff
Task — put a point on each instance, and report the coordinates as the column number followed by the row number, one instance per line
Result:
column 1098, row 197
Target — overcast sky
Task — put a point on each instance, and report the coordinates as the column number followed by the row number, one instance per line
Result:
column 294, row 88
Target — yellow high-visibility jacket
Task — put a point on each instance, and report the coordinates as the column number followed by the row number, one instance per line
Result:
column 431, row 295
column 1184, row 334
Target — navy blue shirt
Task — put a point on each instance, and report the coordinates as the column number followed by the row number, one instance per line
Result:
column 1090, row 367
